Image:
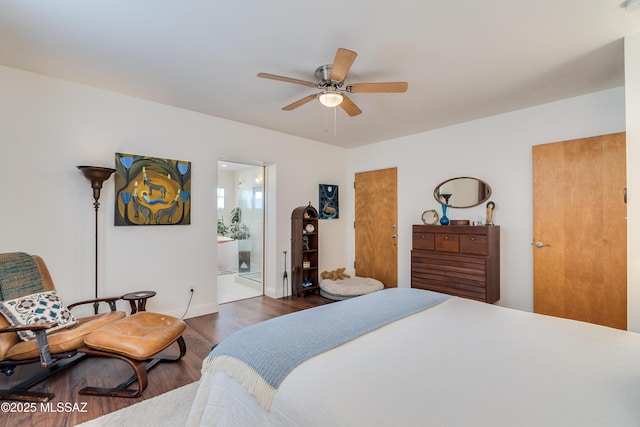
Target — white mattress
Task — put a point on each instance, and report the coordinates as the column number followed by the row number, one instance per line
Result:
column 460, row 363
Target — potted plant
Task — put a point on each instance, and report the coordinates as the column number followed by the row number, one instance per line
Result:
column 236, row 230
column 223, row 230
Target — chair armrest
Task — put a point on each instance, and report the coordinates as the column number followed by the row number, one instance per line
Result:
column 109, row 300
column 40, row 330
column 34, row 328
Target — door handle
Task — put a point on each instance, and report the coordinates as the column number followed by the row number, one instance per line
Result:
column 541, row 245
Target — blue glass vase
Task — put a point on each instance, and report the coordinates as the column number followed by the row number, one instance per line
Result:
column 444, row 220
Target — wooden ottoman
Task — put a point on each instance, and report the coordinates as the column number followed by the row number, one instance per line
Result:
column 137, row 340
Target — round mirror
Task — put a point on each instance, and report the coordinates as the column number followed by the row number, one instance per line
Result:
column 462, row 192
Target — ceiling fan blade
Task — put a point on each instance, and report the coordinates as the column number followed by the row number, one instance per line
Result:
column 389, row 87
column 286, row 79
column 341, row 64
column 299, row 102
column 349, row 107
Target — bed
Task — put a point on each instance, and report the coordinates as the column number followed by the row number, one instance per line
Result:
column 453, row 362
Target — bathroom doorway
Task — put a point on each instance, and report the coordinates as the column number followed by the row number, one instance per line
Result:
column 240, row 219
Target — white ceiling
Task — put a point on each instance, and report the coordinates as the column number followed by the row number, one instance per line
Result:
column 463, row 59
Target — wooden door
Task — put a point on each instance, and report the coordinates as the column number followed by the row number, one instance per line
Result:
column 580, row 230
column 376, row 231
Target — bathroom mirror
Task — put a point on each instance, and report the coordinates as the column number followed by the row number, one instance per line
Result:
column 462, row 192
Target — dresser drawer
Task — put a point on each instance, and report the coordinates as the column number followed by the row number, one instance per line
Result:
column 449, row 242
column 423, row 241
column 473, row 244
column 462, row 276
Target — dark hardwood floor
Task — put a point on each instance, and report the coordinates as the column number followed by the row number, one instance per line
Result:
column 201, row 333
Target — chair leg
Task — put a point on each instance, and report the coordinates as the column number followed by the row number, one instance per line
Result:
column 140, row 369
column 21, row 391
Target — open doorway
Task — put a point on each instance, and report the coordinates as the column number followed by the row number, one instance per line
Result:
column 240, row 219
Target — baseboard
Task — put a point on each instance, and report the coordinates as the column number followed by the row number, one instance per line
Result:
column 194, row 311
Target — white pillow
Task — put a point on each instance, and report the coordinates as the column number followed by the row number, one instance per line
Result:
column 37, row 308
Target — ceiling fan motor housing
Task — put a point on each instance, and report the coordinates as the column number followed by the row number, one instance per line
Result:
column 322, row 75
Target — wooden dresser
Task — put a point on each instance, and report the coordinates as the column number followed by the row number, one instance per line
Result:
column 459, row 260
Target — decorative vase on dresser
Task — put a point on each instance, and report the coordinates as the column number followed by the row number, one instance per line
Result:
column 460, row 260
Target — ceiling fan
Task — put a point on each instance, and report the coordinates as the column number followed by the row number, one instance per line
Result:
column 331, row 83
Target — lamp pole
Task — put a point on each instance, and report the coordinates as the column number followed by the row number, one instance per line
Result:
column 96, row 175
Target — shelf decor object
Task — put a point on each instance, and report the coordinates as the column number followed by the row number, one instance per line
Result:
column 430, row 217
column 444, row 220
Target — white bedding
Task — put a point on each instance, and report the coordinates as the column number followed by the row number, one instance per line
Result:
column 460, row 363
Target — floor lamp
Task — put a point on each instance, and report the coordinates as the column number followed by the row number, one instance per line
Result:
column 96, row 175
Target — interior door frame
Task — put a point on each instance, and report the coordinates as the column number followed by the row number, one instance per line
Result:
column 265, row 209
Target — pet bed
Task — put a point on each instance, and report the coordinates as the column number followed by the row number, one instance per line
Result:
column 349, row 288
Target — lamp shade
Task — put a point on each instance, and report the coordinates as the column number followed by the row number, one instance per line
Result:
column 330, row 98
column 97, row 175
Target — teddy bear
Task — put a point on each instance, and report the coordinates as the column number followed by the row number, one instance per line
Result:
column 337, row 274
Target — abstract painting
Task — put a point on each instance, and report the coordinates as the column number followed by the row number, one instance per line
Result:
column 328, row 201
column 152, row 191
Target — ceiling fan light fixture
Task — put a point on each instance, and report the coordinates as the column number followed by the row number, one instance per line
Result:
column 330, row 98
column 631, row 5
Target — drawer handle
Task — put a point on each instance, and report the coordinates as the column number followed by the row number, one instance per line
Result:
column 472, row 238
column 445, row 237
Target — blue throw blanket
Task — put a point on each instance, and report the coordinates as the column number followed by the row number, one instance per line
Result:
column 262, row 355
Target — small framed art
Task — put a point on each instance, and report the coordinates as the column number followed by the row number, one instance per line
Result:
column 328, row 204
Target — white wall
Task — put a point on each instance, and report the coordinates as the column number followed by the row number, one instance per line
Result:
column 632, row 96
column 48, row 126
column 497, row 150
